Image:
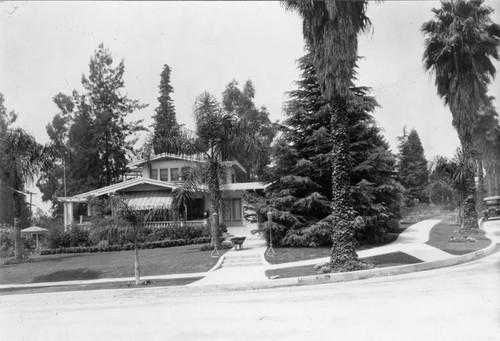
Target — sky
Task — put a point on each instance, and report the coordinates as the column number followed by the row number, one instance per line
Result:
column 45, row 48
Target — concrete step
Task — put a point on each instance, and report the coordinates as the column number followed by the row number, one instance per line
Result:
column 241, row 256
column 234, row 265
column 244, row 260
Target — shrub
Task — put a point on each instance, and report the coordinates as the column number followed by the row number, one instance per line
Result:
column 103, row 244
column 7, row 243
column 127, row 247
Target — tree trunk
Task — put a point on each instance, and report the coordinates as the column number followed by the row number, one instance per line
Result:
column 18, row 241
column 469, row 205
column 215, row 196
column 136, row 260
column 215, row 230
column 343, row 257
column 480, row 182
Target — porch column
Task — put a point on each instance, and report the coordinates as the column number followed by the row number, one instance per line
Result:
column 65, row 215
column 68, row 215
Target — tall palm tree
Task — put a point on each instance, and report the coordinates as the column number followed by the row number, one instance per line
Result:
column 21, row 160
column 219, row 137
column 461, row 39
column 330, row 29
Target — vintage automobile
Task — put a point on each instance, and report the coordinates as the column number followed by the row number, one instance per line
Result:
column 492, row 207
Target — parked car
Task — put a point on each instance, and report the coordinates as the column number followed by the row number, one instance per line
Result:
column 492, row 207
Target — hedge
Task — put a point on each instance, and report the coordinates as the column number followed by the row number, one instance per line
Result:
column 127, row 247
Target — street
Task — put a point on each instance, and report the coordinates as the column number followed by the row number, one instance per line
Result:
column 455, row 303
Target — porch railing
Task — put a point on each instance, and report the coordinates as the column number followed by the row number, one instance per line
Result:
column 160, row 224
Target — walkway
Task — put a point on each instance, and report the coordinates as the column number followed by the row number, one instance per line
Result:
column 248, row 266
column 411, row 241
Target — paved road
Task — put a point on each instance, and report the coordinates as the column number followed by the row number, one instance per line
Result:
column 456, row 303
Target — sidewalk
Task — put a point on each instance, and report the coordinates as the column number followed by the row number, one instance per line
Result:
column 246, row 268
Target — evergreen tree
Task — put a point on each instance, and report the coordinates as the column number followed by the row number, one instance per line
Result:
column 412, row 167
column 90, row 132
column 300, row 194
column 165, row 122
column 255, row 122
column 6, row 199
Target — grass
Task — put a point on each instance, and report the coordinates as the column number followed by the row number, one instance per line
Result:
column 99, row 286
column 65, row 267
column 440, row 235
column 293, row 254
column 380, row 261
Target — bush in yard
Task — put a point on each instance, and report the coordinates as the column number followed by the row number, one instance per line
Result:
column 127, row 247
column 7, row 242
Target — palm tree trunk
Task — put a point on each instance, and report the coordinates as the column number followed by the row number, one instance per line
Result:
column 469, row 205
column 343, row 257
column 18, row 241
column 480, row 181
column 214, row 188
column 136, row 259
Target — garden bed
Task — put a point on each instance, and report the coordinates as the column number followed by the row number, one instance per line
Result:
column 68, row 267
column 380, row 261
column 294, row 254
column 439, row 237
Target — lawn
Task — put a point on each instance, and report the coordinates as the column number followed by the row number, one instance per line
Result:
column 441, row 233
column 293, row 254
column 99, row 286
column 380, row 261
column 66, row 267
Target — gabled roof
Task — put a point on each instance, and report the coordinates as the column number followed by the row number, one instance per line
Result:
column 120, row 187
column 128, row 184
column 168, row 156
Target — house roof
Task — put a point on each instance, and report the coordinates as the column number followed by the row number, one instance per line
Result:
column 139, row 199
column 193, row 158
column 121, row 186
column 167, row 156
column 246, row 186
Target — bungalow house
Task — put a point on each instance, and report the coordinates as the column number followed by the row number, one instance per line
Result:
column 153, row 185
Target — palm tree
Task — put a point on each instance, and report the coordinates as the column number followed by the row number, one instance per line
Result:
column 330, row 29
column 219, row 137
column 461, row 38
column 184, row 194
column 21, row 160
column 137, row 218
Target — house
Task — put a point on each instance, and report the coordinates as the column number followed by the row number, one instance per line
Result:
column 153, row 186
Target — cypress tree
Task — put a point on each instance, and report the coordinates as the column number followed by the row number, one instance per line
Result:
column 412, row 167
column 165, row 122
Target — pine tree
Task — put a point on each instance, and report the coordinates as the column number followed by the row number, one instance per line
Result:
column 165, row 122
column 301, row 193
column 90, row 132
column 412, row 167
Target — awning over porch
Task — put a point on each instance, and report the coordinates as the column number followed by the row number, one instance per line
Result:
column 149, row 199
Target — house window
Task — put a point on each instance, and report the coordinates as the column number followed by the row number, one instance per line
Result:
column 236, row 209
column 233, row 178
column 232, row 210
column 164, row 174
column 154, row 174
column 174, row 174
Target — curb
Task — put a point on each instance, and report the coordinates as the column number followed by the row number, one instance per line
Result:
column 289, row 282
column 275, row 283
